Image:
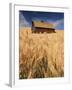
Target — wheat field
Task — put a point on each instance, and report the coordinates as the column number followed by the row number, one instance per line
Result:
column 41, row 55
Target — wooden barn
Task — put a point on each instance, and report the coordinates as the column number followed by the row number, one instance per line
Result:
column 41, row 26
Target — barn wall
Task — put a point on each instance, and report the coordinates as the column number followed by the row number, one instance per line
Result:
column 38, row 30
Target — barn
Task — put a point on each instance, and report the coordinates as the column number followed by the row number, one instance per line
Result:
column 41, row 26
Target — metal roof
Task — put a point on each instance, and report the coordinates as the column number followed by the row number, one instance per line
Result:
column 42, row 24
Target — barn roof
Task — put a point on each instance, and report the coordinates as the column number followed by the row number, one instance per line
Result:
column 42, row 24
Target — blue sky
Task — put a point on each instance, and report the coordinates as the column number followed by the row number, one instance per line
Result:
column 26, row 17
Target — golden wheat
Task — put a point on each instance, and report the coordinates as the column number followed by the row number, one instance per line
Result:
column 41, row 55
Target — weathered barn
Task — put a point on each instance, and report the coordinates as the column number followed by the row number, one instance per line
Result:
column 41, row 26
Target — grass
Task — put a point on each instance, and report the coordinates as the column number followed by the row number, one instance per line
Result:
column 41, row 55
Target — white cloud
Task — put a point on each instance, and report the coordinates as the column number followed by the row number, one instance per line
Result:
column 22, row 21
column 58, row 22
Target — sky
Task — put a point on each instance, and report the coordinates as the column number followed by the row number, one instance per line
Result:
column 26, row 18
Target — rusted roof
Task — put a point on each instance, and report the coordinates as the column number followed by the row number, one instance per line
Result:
column 42, row 24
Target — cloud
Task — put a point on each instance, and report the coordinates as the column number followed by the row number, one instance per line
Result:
column 22, row 21
column 58, row 22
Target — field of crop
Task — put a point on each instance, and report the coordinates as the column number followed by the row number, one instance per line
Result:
column 41, row 55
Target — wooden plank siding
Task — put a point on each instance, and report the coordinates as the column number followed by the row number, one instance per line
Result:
column 42, row 30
